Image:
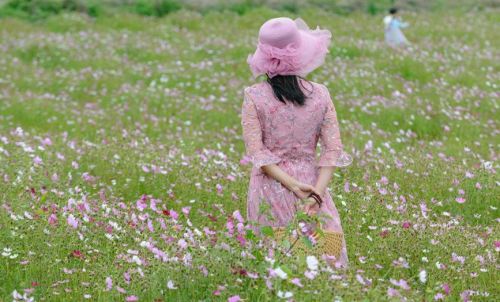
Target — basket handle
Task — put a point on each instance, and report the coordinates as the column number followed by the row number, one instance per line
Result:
column 316, row 198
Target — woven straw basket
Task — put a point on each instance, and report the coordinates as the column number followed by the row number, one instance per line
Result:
column 328, row 243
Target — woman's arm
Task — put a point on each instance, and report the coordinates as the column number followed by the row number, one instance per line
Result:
column 400, row 24
column 332, row 154
column 263, row 158
column 300, row 189
column 324, row 177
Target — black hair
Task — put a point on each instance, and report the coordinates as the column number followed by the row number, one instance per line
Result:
column 393, row 11
column 288, row 88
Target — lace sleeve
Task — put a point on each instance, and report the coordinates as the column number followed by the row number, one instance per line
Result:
column 332, row 152
column 252, row 135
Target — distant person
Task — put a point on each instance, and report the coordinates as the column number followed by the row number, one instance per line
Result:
column 283, row 120
column 394, row 37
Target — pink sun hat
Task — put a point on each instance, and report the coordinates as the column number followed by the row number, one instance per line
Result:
column 289, row 47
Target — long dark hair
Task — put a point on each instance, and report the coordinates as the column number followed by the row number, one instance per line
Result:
column 288, row 88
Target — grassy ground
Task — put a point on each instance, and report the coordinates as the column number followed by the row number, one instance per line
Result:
column 110, row 127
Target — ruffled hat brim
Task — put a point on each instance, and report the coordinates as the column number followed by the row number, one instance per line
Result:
column 295, row 59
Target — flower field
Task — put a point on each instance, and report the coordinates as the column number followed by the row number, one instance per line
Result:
column 123, row 175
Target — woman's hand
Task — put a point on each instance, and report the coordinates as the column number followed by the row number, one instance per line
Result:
column 302, row 190
column 310, row 206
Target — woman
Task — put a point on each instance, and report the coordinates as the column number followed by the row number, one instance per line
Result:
column 283, row 119
column 394, row 37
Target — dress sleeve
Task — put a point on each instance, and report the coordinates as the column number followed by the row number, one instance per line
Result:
column 332, row 152
column 252, row 135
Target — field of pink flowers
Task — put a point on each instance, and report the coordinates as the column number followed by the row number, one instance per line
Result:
column 123, row 176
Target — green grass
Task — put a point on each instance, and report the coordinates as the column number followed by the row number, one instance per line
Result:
column 119, row 94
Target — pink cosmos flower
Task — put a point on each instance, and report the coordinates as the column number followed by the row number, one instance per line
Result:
column 241, row 239
column 131, row 299
column 423, row 209
column 121, row 290
column 406, row 225
column 297, row 282
column 47, row 142
column 363, row 280
column 219, row 189
column 109, row 283
column 230, row 227
column 186, row 210
column 182, row 243
column 37, row 160
column 384, row 233
column 401, row 283
column 234, row 299
column 446, row 288
column 52, row 219
column 237, row 216
column 150, row 226
column 174, row 214
column 141, row 204
column 311, row 275
column 126, row 277
column 465, row 295
column 218, row 291
column 438, row 296
column 88, row 178
column 72, row 221
column 54, row 177
column 347, row 187
column 460, row 200
column 391, row 292
column 77, row 254
column 245, row 160
column 457, row 258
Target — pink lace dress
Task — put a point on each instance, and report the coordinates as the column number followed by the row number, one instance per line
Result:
column 287, row 135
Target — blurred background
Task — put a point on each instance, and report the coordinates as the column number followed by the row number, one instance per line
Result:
column 37, row 9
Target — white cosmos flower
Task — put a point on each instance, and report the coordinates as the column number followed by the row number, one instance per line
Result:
column 285, row 295
column 312, row 263
column 422, row 276
column 170, row 285
column 137, row 260
column 16, row 295
column 281, row 273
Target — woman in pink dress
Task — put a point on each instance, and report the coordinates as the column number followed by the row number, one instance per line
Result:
column 283, row 119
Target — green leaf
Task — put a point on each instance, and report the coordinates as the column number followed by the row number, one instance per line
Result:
column 286, row 269
column 258, row 255
column 286, row 244
column 267, row 231
column 307, row 242
column 250, row 235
